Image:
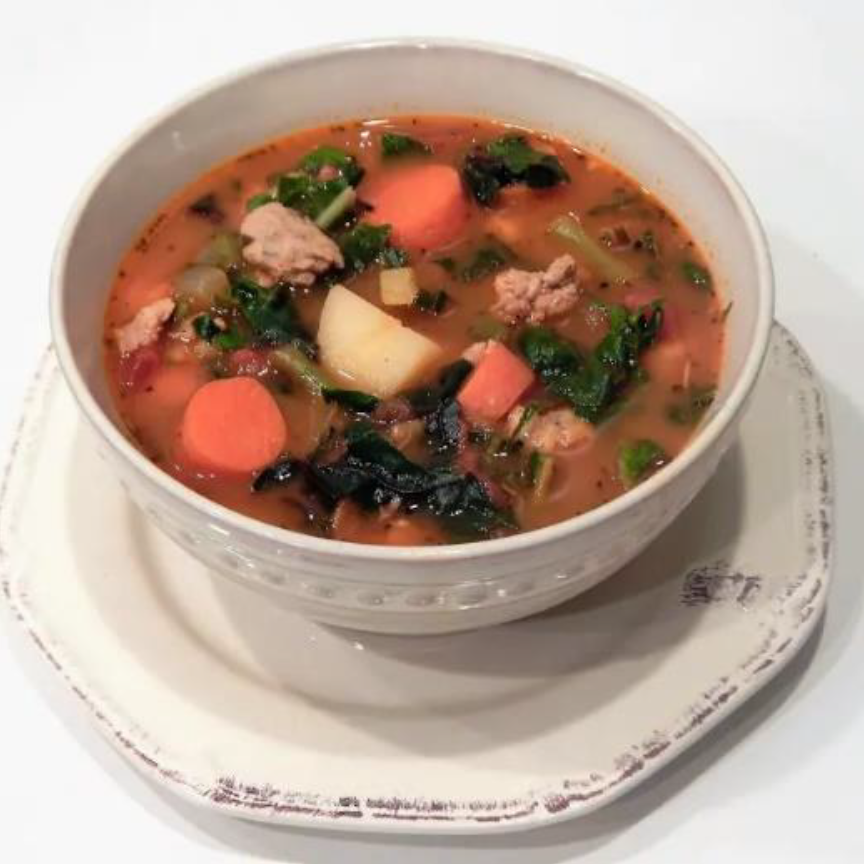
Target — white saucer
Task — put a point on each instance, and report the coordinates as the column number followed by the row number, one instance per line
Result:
column 244, row 708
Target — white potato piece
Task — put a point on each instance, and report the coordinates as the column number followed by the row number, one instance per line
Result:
column 398, row 286
column 371, row 348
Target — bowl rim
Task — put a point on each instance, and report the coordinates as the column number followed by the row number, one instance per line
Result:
column 697, row 448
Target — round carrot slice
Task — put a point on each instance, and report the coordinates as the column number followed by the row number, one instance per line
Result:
column 424, row 205
column 233, row 426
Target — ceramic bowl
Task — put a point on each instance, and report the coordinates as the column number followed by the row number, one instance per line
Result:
column 444, row 588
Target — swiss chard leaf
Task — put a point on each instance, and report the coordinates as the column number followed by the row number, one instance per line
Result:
column 394, row 144
column 432, row 302
column 271, row 314
column 365, row 245
column 425, row 400
column 277, row 475
column 691, row 408
column 306, row 194
column 334, row 157
column 444, row 428
column 353, row 400
column 225, row 338
column 697, row 275
column 592, row 384
column 638, row 459
column 486, row 261
column 507, row 160
column 374, row 472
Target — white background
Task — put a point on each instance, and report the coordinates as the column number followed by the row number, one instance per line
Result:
column 778, row 90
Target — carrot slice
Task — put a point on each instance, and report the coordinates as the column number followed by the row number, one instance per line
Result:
column 496, row 385
column 424, row 205
column 232, row 426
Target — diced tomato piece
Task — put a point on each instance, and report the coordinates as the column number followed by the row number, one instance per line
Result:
column 495, row 385
column 138, row 368
column 249, row 361
column 636, row 298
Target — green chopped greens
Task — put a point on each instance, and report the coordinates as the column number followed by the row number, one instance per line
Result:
column 484, row 261
column 639, row 459
column 270, row 313
column 689, row 410
column 333, row 157
column 373, row 472
column 225, row 338
column 394, row 144
column 593, row 383
column 507, row 160
column 620, row 200
column 433, row 302
column 259, row 200
column 365, row 245
column 697, row 275
column 353, row 400
column 307, row 195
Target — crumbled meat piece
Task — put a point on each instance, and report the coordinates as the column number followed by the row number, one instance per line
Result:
column 284, row 244
column 534, row 296
column 145, row 327
column 553, row 431
column 474, row 353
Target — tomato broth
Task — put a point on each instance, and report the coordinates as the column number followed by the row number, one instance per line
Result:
column 413, row 330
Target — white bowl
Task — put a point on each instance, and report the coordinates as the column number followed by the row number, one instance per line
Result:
column 424, row 589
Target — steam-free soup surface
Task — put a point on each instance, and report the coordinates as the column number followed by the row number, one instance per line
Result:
column 413, row 331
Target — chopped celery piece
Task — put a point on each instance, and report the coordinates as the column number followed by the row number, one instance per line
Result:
column 291, row 360
column 340, row 205
column 605, row 263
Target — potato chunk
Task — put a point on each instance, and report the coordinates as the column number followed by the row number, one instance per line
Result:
column 371, row 348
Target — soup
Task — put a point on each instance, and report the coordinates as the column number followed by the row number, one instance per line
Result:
column 413, row 331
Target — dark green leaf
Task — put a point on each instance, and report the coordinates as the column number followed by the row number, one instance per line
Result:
column 486, row 261
column 365, row 245
column 225, row 338
column 306, row 194
column 424, row 400
column 592, row 384
column 207, row 207
column 374, row 472
column 259, row 200
column 353, row 400
column 444, row 427
column 270, row 313
column 433, row 302
column 689, row 410
column 277, row 475
column 393, row 144
column 507, row 160
column 697, row 275
column 621, row 200
column 335, row 157
column 205, row 327
column 447, row 263
column 639, row 459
